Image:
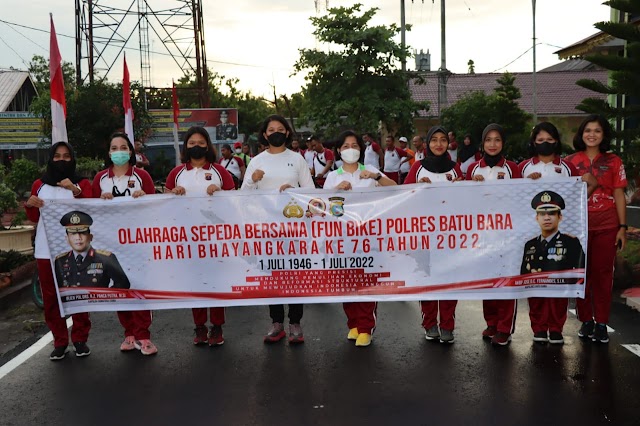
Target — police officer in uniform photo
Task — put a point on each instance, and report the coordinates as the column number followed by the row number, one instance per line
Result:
column 550, row 251
column 225, row 130
column 83, row 265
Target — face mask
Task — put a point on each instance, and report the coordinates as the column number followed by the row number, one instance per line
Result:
column 277, row 139
column 350, row 155
column 197, row 152
column 238, row 151
column 545, row 148
column 62, row 169
column 120, row 158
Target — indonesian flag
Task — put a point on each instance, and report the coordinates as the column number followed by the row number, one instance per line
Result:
column 176, row 126
column 58, row 103
column 126, row 102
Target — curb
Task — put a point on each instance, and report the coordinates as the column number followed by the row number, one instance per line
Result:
column 13, row 292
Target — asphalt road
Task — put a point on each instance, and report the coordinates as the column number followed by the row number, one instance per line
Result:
column 400, row 379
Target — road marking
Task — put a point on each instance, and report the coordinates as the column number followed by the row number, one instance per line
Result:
column 29, row 352
column 609, row 329
column 633, row 348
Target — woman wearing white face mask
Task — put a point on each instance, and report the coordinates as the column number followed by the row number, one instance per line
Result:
column 361, row 316
column 123, row 179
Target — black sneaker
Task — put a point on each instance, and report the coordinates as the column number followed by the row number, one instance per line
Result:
column 586, row 331
column 58, row 353
column 82, row 349
column 556, row 338
column 600, row 334
column 540, row 337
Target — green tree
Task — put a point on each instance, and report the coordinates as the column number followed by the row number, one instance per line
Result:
column 624, row 83
column 356, row 82
column 473, row 112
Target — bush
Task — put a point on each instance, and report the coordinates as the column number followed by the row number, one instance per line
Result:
column 12, row 259
column 88, row 167
column 22, row 175
column 8, row 200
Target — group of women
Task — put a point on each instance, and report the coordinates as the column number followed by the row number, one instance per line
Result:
column 279, row 168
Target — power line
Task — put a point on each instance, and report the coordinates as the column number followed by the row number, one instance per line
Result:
column 523, row 53
column 13, row 50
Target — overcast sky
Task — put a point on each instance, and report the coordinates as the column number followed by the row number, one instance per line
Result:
column 257, row 41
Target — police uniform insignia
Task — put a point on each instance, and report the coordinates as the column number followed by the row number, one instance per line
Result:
column 316, row 207
column 449, row 177
column 103, row 252
column 292, row 209
column 74, row 219
column 501, row 175
column 131, row 184
column 207, row 176
column 545, row 198
column 558, row 170
column 336, row 206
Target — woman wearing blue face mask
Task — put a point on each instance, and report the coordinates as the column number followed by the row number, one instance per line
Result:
column 123, row 179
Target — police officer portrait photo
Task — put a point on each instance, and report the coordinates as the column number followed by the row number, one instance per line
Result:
column 83, row 265
column 226, row 130
column 551, row 250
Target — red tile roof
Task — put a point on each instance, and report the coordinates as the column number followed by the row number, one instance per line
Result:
column 557, row 93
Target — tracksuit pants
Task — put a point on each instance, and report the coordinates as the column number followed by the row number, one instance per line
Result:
column 361, row 315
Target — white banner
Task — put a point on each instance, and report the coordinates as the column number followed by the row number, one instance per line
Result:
column 465, row 240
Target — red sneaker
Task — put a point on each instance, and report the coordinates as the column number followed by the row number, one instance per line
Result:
column 201, row 335
column 275, row 333
column 215, row 336
column 501, row 339
column 489, row 332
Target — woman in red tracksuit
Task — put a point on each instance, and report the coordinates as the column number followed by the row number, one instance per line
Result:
column 59, row 181
column 198, row 176
column 500, row 315
column 123, row 179
column 547, row 314
column 605, row 176
column 436, row 166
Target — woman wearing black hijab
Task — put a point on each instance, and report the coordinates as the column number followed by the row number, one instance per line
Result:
column 468, row 153
column 60, row 181
column 436, row 166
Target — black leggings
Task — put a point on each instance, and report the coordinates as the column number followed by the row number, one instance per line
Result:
column 277, row 313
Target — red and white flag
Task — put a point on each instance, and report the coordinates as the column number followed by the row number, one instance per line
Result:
column 126, row 102
column 176, row 126
column 58, row 103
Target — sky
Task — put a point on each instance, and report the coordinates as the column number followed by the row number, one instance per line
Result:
column 258, row 41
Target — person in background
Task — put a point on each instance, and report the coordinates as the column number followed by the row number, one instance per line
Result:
column 453, row 146
column 233, row 164
column 468, row 153
column 279, row 168
column 606, row 181
column 373, row 154
column 59, row 181
column 406, row 162
column 122, row 179
column 500, row 315
column 309, row 153
column 437, row 167
column 295, row 146
column 238, row 149
column 419, row 144
column 246, row 150
column 361, row 316
column 393, row 157
column 141, row 160
column 322, row 161
column 199, row 175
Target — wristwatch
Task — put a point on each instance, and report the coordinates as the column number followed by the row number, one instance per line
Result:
column 623, row 225
column 379, row 176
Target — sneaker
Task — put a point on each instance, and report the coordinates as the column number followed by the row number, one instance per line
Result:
column 295, row 333
column 540, row 337
column 489, row 332
column 58, row 353
column 275, row 333
column 446, row 336
column 432, row 333
column 364, row 339
column 501, row 339
column 201, row 335
column 82, row 349
column 586, row 330
column 146, row 347
column 128, row 344
column 555, row 338
column 215, row 336
column 600, row 334
column 353, row 334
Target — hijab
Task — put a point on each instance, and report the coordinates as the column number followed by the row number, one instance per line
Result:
column 60, row 170
column 437, row 163
column 492, row 160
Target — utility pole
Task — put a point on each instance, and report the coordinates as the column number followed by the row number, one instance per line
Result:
column 443, row 73
column 402, row 35
column 535, row 95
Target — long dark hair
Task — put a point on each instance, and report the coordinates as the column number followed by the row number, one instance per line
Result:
column 549, row 128
column 132, row 152
column 210, row 155
column 607, row 133
column 50, row 176
column 265, row 125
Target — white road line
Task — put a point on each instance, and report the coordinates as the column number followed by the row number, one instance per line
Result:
column 609, row 329
column 633, row 348
column 29, row 352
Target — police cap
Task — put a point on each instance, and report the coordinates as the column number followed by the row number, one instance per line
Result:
column 76, row 221
column 547, row 201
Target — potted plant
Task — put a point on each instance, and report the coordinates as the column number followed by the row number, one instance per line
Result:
column 14, row 264
column 12, row 234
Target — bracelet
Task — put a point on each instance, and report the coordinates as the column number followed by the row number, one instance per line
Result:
column 623, row 225
column 378, row 177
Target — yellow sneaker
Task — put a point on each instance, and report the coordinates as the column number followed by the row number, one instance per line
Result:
column 364, row 339
column 353, row 334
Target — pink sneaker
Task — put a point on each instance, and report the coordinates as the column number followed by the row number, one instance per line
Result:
column 146, row 347
column 128, row 344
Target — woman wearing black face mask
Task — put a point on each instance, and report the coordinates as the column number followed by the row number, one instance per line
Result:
column 279, row 168
column 547, row 315
column 60, row 181
column 199, row 175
